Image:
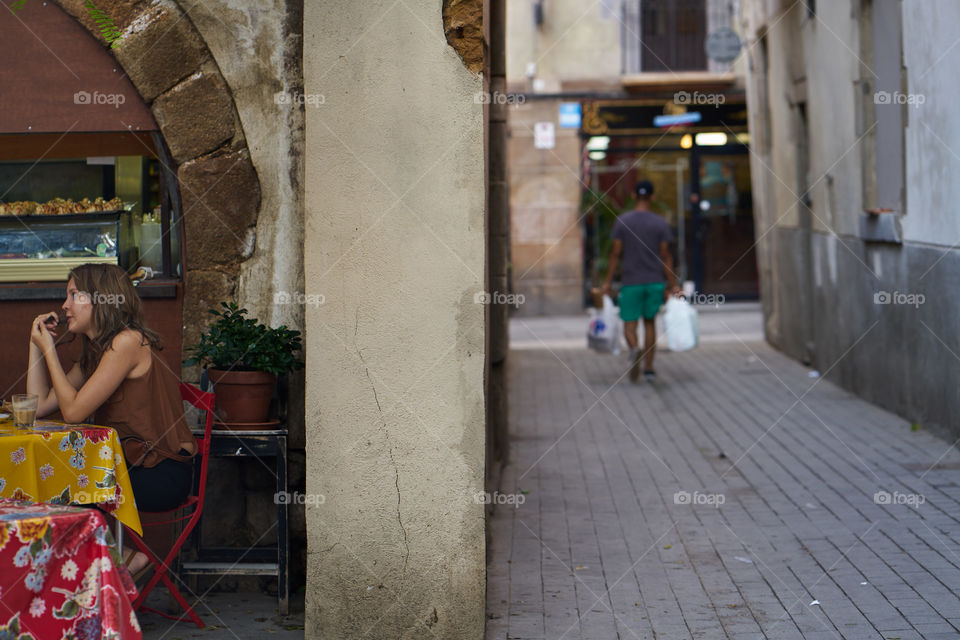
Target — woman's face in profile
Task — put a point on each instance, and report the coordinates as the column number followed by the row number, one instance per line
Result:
column 78, row 308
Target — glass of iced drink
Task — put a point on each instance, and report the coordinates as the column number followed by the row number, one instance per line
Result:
column 24, row 410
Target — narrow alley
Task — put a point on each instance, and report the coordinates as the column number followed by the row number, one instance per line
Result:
column 741, row 495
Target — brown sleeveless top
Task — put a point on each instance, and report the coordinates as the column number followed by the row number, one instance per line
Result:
column 150, row 407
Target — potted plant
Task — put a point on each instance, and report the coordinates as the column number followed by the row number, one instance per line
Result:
column 243, row 358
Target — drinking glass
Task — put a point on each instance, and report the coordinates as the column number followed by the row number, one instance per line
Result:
column 25, row 410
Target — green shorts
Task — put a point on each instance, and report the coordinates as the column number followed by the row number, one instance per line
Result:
column 641, row 300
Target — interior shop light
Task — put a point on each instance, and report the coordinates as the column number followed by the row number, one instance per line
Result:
column 712, row 139
column 598, row 143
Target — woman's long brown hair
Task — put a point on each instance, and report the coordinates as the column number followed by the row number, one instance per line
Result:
column 116, row 306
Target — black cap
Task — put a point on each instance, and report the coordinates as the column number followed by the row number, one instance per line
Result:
column 644, row 189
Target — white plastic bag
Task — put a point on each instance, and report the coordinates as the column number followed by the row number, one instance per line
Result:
column 605, row 328
column 681, row 324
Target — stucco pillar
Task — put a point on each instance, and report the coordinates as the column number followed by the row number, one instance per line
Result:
column 394, row 241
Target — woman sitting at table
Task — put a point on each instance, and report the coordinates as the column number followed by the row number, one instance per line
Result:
column 119, row 381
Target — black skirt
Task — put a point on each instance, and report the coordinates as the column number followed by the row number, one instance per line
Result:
column 162, row 487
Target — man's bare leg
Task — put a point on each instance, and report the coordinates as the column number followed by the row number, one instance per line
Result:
column 649, row 343
column 630, row 331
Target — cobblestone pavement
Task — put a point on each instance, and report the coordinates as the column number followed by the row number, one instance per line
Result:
column 736, row 497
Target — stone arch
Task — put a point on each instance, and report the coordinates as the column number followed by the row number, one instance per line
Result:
column 175, row 73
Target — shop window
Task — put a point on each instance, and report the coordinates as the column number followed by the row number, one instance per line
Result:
column 58, row 211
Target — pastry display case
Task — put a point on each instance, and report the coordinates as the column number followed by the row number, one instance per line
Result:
column 43, row 245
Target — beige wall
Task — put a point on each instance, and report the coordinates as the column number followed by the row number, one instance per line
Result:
column 545, row 229
column 395, row 242
column 577, row 40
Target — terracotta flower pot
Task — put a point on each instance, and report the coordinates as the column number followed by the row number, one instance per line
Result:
column 242, row 396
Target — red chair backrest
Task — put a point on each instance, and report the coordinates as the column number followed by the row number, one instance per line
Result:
column 204, row 401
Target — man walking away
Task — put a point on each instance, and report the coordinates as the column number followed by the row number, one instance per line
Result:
column 641, row 240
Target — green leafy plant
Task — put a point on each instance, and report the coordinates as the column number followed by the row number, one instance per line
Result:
column 238, row 343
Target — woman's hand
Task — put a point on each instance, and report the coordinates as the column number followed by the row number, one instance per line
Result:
column 43, row 332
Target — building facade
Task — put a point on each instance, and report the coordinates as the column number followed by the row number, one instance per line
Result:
column 607, row 94
column 853, row 149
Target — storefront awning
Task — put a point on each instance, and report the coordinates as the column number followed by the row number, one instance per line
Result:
column 57, row 77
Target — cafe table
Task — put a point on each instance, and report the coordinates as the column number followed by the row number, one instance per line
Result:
column 60, row 463
column 61, row 575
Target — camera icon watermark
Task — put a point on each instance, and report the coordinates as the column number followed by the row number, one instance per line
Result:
column 300, row 99
column 310, row 499
column 897, row 297
column 496, row 97
column 910, row 499
column 699, row 498
column 698, row 98
column 311, row 299
column 897, row 97
column 498, row 297
column 485, row 497
column 87, row 98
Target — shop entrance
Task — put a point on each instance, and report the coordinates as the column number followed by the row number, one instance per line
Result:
column 702, row 191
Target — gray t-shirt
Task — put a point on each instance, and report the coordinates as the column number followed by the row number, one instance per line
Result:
column 641, row 233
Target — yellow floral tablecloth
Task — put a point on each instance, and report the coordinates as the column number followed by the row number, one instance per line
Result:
column 67, row 464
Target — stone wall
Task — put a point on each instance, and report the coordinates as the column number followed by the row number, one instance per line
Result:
column 258, row 48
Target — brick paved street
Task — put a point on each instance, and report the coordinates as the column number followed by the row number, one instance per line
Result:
column 735, row 497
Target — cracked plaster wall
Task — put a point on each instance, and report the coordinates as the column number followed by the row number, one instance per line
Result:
column 394, row 239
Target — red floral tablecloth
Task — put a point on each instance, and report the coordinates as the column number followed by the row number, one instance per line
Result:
column 61, row 577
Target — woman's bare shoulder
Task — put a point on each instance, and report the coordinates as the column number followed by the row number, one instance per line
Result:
column 128, row 341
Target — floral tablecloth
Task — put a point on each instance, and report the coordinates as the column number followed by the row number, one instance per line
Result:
column 63, row 464
column 61, row 577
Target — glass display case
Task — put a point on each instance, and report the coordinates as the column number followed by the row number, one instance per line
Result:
column 44, row 248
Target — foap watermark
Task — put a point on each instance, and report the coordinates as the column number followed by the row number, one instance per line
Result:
column 699, row 498
column 300, row 99
column 897, row 97
column 712, row 299
column 496, row 97
column 311, row 299
column 498, row 297
column 285, row 497
column 93, row 497
column 97, row 297
column 485, row 497
column 909, row 499
column 85, row 97
column 899, row 297
column 699, row 98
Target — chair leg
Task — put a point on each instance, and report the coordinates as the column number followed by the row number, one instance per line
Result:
column 182, row 601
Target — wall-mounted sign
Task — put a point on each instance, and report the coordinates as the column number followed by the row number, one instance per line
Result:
column 544, row 135
column 569, row 115
column 723, row 45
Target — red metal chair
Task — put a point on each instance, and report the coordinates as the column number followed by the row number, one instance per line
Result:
column 190, row 510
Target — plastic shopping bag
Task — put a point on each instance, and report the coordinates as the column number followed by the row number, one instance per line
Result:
column 682, row 326
column 605, row 328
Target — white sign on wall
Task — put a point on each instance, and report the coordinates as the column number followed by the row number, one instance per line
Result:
column 544, row 135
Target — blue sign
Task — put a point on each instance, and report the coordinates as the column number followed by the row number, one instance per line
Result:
column 569, row 115
column 682, row 118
